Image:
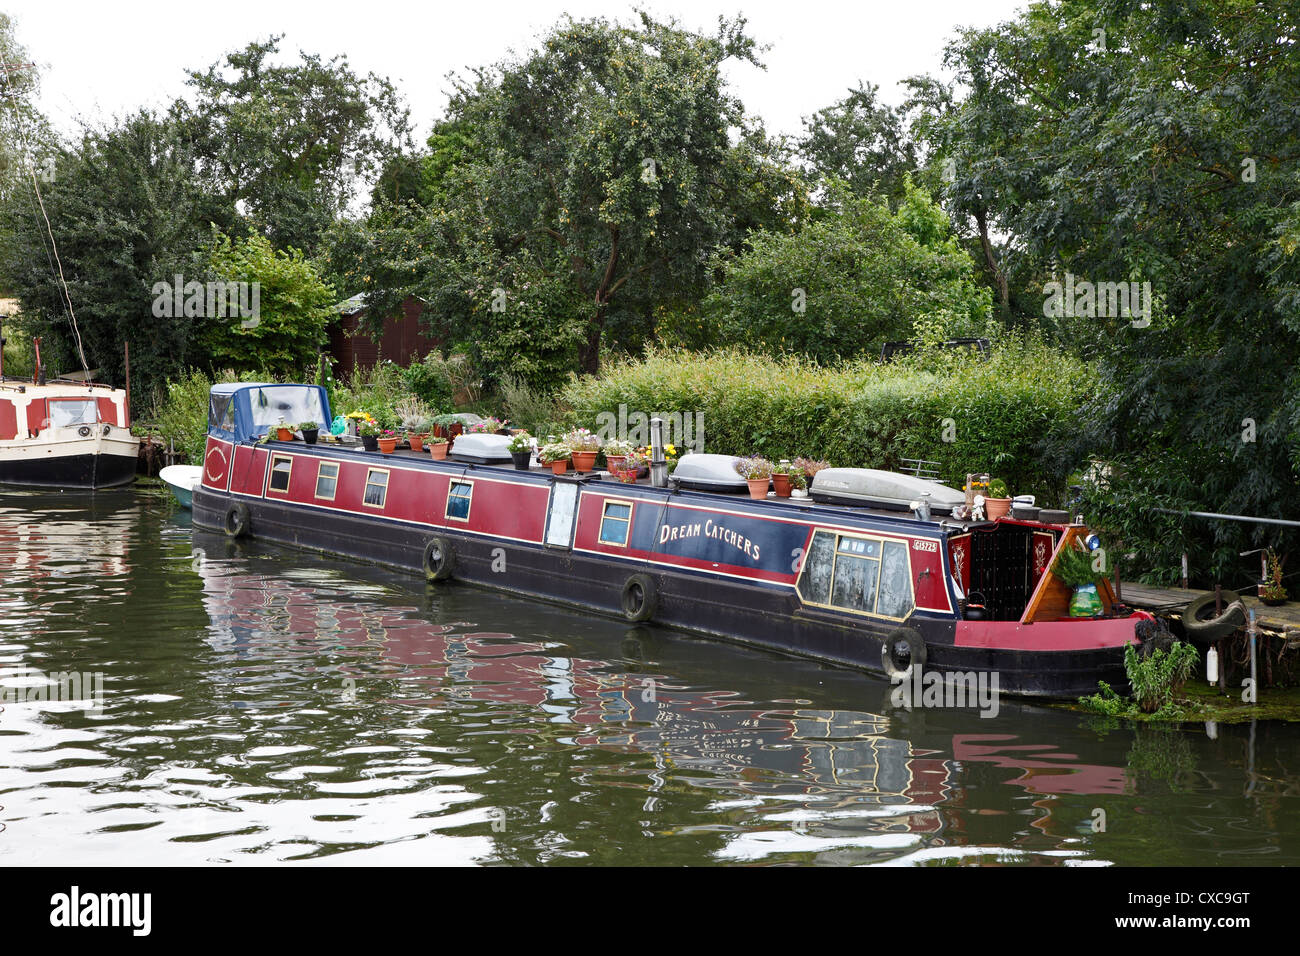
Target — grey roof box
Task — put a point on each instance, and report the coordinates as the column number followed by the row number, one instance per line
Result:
column 709, row 473
column 881, row 489
column 481, row 449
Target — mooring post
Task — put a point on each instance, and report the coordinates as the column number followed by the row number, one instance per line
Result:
column 1254, row 683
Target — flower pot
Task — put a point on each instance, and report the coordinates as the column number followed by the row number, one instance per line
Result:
column 417, row 442
column 584, row 460
column 521, row 459
column 782, row 485
column 560, row 467
column 995, row 508
column 798, row 493
column 309, row 435
column 1273, row 602
column 614, row 462
column 626, row 475
column 370, row 442
column 758, row 487
column 439, row 450
column 284, row 434
column 387, row 445
column 1086, row 602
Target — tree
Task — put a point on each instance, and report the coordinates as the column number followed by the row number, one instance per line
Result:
column 860, row 141
column 291, row 144
column 129, row 208
column 585, row 181
column 849, row 281
column 1117, row 142
column 294, row 306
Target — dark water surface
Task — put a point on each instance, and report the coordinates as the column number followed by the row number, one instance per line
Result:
column 262, row 706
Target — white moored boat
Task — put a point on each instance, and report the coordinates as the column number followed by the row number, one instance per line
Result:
column 65, row 434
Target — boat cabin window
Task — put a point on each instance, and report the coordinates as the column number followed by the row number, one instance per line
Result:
column 616, row 523
column 281, row 467
column 857, row 573
column 376, row 488
column 73, row 411
column 327, row 480
column 459, row 498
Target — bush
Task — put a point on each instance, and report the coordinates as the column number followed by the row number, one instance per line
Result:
column 968, row 415
column 431, row 381
column 180, row 412
column 376, row 390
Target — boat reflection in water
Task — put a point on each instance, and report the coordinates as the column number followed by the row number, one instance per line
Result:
column 796, row 776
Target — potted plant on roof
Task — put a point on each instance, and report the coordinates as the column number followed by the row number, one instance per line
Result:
column 629, row 467
column 616, row 451
column 1272, row 592
column 368, row 429
column 283, row 431
column 438, row 447
column 584, row 445
column 809, row 467
column 310, row 431
column 521, row 449
column 556, row 454
column 798, row 483
column 1080, row 571
column 997, row 503
column 758, row 473
column 781, row 483
column 387, row 440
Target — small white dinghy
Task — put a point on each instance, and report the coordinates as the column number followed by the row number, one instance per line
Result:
column 182, row 480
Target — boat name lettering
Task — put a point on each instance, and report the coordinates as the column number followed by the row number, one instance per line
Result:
column 709, row 529
column 919, row 544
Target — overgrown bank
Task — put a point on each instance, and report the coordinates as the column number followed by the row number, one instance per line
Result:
column 1003, row 415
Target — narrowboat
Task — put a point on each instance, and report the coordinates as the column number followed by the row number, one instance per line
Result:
column 834, row 578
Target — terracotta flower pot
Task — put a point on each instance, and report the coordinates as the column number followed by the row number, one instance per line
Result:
column 626, row 475
column 560, row 467
column 584, row 460
column 284, row 434
column 758, row 487
column 387, row 445
column 614, row 462
column 995, row 508
column 439, row 450
column 417, row 442
column 782, row 485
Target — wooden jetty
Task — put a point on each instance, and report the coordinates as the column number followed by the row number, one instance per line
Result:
column 1283, row 621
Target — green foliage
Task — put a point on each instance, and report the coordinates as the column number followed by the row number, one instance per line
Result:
column 1170, row 158
column 295, row 305
column 430, row 381
column 1077, row 568
column 376, row 390
column 532, row 409
column 1156, row 680
column 849, row 281
column 860, row 141
column 291, row 142
column 1002, row 410
column 180, row 410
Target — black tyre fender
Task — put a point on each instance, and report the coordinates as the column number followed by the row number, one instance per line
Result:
column 439, row 559
column 640, row 598
column 1202, row 627
column 236, row 520
column 915, row 644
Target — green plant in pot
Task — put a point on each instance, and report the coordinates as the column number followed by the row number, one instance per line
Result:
column 1272, row 592
column 310, row 431
column 1080, row 571
column 521, row 449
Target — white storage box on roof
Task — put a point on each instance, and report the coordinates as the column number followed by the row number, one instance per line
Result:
column 481, row 449
column 882, row 489
column 701, row 472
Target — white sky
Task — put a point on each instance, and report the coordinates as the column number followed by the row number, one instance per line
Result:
column 103, row 58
